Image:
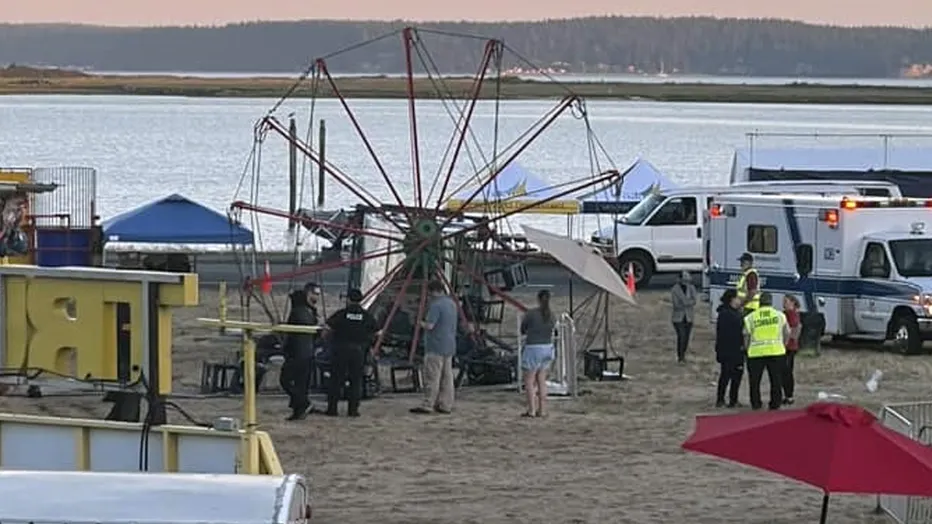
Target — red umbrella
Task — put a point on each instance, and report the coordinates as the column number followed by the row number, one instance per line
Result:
column 837, row 448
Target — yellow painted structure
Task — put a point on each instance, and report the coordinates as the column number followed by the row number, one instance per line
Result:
column 252, row 442
column 67, row 444
column 92, row 323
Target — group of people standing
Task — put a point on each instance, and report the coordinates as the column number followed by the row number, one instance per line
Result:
column 351, row 331
column 750, row 333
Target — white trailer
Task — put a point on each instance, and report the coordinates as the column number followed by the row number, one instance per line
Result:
column 62, row 497
column 663, row 232
column 864, row 263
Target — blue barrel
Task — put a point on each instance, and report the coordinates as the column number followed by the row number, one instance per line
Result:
column 63, row 246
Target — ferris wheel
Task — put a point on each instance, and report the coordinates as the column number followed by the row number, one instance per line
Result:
column 443, row 222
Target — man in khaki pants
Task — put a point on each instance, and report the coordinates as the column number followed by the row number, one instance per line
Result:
column 440, row 328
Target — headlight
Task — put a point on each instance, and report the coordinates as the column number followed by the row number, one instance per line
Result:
column 925, row 302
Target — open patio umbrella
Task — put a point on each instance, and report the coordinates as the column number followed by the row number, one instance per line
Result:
column 838, row 448
column 585, row 261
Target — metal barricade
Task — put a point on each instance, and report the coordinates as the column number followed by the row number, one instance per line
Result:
column 913, row 419
column 75, row 197
column 563, row 379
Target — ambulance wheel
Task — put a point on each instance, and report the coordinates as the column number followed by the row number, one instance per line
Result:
column 640, row 263
column 906, row 334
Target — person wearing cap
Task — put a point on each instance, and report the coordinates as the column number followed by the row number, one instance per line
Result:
column 748, row 286
column 729, row 348
column 295, row 375
column 765, row 334
column 351, row 331
column 440, row 330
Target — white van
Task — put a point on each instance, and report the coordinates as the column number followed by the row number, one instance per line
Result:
column 663, row 232
column 66, row 497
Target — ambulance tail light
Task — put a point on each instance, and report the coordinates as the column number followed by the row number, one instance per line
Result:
column 830, row 217
column 716, row 211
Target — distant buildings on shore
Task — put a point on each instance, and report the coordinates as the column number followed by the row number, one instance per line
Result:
column 918, row 71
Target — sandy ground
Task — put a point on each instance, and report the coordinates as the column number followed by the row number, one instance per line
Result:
column 610, row 456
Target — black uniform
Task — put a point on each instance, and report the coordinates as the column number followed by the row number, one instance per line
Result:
column 352, row 330
column 299, row 355
column 729, row 352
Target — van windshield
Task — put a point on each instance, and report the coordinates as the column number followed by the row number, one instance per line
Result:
column 913, row 257
column 643, row 209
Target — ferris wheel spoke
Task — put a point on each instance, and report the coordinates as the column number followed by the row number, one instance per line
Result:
column 421, row 309
column 410, row 40
column 383, row 281
column 603, row 178
column 548, row 120
column 391, row 312
column 363, row 194
column 322, row 67
column 479, row 279
column 491, row 48
column 308, row 221
column 334, row 264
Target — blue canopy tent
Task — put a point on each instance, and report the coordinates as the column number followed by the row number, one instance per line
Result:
column 175, row 219
column 514, row 188
column 636, row 182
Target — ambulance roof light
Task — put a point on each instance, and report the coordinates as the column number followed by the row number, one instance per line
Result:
column 847, row 203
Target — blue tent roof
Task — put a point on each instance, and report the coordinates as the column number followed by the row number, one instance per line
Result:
column 175, row 220
column 636, row 181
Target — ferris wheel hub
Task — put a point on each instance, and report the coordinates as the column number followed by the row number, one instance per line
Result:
column 423, row 243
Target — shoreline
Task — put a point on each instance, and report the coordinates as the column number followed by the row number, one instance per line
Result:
column 460, row 87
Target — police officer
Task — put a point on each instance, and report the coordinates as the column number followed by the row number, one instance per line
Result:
column 296, row 372
column 351, row 330
column 765, row 332
column 748, row 286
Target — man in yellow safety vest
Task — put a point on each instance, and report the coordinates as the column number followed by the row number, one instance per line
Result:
column 748, row 286
column 765, row 332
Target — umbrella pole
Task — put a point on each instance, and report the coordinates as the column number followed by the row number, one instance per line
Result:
column 824, row 509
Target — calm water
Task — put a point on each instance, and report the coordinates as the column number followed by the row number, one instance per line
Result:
column 147, row 147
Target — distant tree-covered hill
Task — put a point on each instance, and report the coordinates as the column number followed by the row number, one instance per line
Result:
column 583, row 45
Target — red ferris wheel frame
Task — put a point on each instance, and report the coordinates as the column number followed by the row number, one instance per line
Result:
column 403, row 217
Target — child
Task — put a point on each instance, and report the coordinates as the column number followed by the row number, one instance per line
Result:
column 791, row 311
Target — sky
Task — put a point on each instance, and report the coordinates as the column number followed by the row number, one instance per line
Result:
column 916, row 13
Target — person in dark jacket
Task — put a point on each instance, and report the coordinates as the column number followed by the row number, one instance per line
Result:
column 729, row 348
column 351, row 331
column 299, row 350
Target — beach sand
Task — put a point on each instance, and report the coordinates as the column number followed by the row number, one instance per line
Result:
column 610, row 456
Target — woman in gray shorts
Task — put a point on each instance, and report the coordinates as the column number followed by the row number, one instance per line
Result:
column 537, row 327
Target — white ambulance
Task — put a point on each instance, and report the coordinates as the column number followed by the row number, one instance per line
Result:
column 864, row 263
column 663, row 232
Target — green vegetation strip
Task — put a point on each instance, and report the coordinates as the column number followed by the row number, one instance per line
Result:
column 512, row 88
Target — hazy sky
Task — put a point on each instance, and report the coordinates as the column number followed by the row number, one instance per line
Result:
column 170, row 12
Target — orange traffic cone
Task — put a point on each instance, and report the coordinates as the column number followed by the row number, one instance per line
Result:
column 629, row 280
column 266, row 284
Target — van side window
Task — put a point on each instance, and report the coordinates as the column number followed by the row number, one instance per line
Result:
column 762, row 239
column 875, row 263
column 676, row 212
column 804, row 259
column 875, row 192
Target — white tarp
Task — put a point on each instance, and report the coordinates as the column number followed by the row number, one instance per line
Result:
column 375, row 269
column 582, row 259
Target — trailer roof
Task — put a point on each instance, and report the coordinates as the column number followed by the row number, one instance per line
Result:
column 828, row 159
column 139, row 498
